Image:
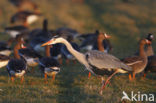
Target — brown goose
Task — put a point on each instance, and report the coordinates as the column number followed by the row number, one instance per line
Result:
column 138, row 63
column 96, row 62
column 17, row 67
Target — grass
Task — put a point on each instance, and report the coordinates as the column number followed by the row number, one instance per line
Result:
column 125, row 22
column 71, row 86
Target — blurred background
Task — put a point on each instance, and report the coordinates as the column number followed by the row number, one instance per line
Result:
column 125, row 20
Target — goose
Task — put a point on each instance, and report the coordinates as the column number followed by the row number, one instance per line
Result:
column 5, row 47
column 39, row 37
column 96, row 62
column 138, row 63
column 30, row 56
column 151, row 65
column 149, row 49
column 90, row 43
column 49, row 65
column 17, row 67
column 24, row 4
column 13, row 31
column 26, row 17
column 56, row 53
column 4, row 60
column 65, row 32
column 88, row 40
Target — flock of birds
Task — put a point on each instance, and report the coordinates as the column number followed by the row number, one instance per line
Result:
column 57, row 44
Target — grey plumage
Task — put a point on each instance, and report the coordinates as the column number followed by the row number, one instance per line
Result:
column 102, row 60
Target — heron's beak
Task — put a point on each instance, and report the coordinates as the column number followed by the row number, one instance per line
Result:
column 107, row 36
column 47, row 43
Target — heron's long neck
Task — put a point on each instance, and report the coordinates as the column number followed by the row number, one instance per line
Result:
column 79, row 56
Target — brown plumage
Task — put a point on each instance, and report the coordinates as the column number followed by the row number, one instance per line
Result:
column 138, row 63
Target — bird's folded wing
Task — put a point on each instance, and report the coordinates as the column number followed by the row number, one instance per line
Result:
column 103, row 60
column 132, row 60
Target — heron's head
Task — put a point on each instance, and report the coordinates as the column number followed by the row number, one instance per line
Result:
column 54, row 40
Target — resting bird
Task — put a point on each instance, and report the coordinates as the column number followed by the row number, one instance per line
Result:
column 96, row 62
column 13, row 31
column 26, row 17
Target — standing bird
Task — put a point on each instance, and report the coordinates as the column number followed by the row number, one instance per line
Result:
column 96, row 62
column 26, row 17
column 17, row 67
column 149, row 49
column 49, row 66
column 151, row 65
column 100, row 38
column 138, row 63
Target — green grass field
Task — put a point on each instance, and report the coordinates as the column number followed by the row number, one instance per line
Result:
column 125, row 22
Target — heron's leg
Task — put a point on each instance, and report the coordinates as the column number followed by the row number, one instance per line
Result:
column 12, row 79
column 22, row 79
column 45, row 78
column 107, row 81
column 89, row 75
